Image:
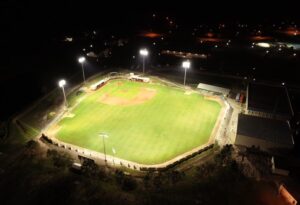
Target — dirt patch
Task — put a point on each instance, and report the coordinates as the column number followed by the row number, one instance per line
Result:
column 119, row 83
column 213, row 98
column 143, row 95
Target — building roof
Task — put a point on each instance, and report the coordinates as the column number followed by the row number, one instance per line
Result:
column 275, row 131
column 213, row 88
column 268, row 99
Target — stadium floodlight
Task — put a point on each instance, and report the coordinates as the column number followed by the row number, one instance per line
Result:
column 62, row 84
column 104, row 135
column 81, row 60
column 186, row 65
column 114, row 152
column 144, row 53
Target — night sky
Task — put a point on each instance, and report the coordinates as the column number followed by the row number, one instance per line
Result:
column 30, row 32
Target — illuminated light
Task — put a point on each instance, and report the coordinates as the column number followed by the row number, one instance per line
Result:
column 144, row 52
column 294, row 54
column 186, row 64
column 62, row 83
column 151, row 35
column 254, row 79
column 264, row 45
column 91, row 45
column 210, row 35
column 216, row 46
column 261, row 38
column 283, row 83
column 279, row 49
column 81, row 59
column 267, row 51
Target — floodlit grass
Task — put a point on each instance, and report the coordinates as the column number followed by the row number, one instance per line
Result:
column 154, row 131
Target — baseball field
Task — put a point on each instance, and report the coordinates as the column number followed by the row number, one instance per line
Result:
column 147, row 123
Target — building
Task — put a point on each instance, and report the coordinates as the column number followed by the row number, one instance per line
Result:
column 214, row 89
column 268, row 101
column 269, row 134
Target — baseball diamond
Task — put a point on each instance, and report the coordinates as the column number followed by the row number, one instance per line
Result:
column 147, row 123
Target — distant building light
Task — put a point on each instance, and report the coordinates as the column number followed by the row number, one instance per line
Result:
column 264, row 45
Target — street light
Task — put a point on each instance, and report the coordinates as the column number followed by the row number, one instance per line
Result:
column 103, row 135
column 186, row 65
column 82, row 60
column 114, row 152
column 144, row 53
column 61, row 84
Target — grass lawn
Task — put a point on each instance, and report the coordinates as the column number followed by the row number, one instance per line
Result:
column 146, row 123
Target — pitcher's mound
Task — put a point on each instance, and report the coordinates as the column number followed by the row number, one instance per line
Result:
column 143, row 95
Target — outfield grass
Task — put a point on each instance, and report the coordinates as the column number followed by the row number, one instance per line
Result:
column 157, row 130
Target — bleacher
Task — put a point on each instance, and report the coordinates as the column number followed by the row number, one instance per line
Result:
column 99, row 84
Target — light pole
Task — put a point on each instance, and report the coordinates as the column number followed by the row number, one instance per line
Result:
column 114, row 152
column 144, row 53
column 82, row 60
column 186, row 65
column 103, row 135
column 62, row 84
